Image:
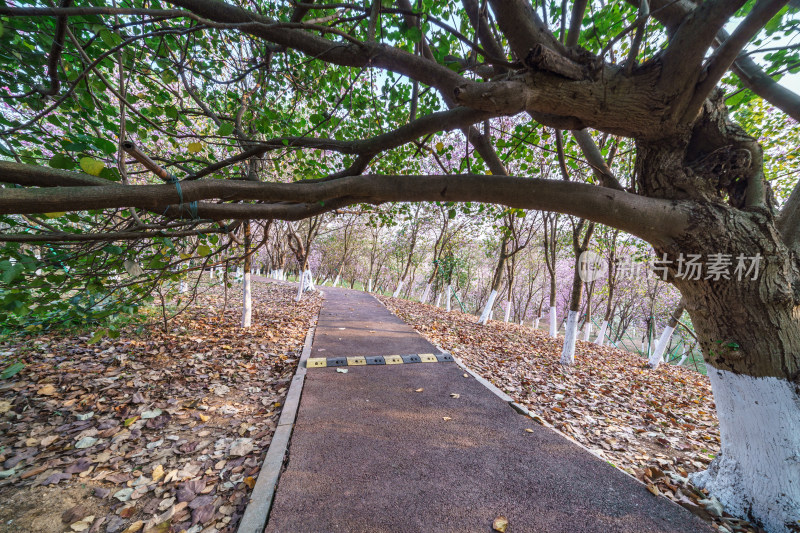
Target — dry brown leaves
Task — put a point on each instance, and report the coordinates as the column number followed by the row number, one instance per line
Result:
column 154, row 432
column 658, row 426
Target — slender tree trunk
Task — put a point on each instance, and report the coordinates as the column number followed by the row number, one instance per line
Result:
column 571, row 328
column 247, row 299
column 658, row 352
column 496, row 279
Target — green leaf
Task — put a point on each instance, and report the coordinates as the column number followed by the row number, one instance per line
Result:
column 61, row 161
column 414, row 35
column 99, row 334
column 112, row 249
column 11, row 370
column 225, row 130
column 12, row 273
column 92, row 166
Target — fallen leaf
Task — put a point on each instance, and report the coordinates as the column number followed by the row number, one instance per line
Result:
column 133, row 528
column 500, row 524
column 46, row 390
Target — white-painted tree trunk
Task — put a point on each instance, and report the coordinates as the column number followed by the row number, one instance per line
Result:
column 553, row 322
column 487, row 309
column 661, row 346
column 300, row 287
column 536, row 322
column 507, row 315
column 447, row 299
column 336, row 281
column 587, row 331
column 399, row 288
column 426, row 293
column 601, row 335
column 570, row 336
column 247, row 302
column 759, row 424
column 308, row 281
column 683, row 358
column 369, row 285
column 438, row 298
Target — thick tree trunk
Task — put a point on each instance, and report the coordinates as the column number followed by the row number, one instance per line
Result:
column 749, row 332
column 553, row 322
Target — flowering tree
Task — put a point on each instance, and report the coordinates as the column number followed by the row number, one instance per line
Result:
column 340, row 101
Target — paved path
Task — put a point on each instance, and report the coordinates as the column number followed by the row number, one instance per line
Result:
column 370, row 454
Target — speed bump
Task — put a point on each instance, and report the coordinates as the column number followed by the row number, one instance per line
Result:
column 359, row 360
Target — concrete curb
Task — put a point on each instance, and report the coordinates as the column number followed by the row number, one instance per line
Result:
column 257, row 511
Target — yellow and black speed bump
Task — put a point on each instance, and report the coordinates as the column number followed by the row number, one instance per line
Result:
column 322, row 362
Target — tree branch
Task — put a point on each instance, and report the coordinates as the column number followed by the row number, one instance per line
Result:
column 755, row 79
column 576, row 18
column 652, row 219
column 682, row 60
column 724, row 56
column 353, row 54
column 456, row 118
column 595, row 159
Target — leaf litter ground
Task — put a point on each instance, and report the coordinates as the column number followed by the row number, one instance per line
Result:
column 658, row 426
column 152, row 431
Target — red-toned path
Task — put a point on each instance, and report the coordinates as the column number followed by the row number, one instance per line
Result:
column 370, row 454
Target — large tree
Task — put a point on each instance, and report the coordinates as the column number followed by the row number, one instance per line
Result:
column 248, row 106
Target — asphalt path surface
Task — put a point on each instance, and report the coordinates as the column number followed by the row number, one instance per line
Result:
column 371, row 452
